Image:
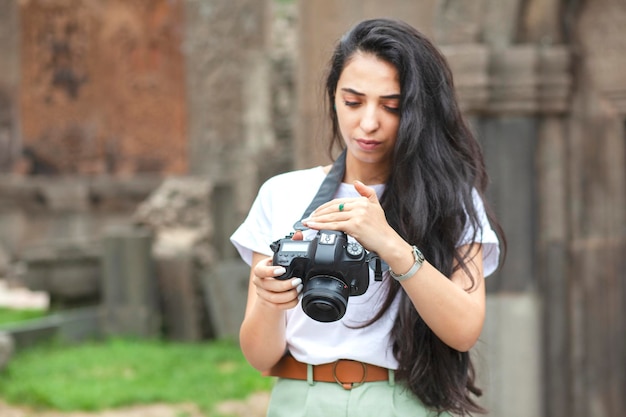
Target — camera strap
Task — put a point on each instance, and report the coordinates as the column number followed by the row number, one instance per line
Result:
column 325, row 193
column 327, row 190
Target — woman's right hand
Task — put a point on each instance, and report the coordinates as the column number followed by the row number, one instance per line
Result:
column 272, row 292
column 262, row 333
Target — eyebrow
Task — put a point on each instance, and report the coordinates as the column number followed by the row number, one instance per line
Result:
column 358, row 93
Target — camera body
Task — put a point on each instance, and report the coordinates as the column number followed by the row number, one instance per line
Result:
column 331, row 269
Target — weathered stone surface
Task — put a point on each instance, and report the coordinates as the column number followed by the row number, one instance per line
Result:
column 470, row 67
column 179, row 213
column 182, row 301
column 7, row 346
column 509, row 148
column 225, row 49
column 129, row 284
column 73, row 325
column 513, row 79
column 501, row 23
column 9, row 83
column 103, row 86
column 508, row 355
column 459, row 21
column 602, row 23
column 554, row 80
column 541, row 22
column 70, row 272
column 225, row 289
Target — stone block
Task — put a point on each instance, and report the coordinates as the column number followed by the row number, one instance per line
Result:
column 554, row 81
column 508, row 356
column 459, row 21
column 74, row 325
column 68, row 271
column 66, row 195
column 470, row 67
column 513, row 79
column 509, row 145
column 181, row 297
column 226, row 290
column 129, row 283
column 501, row 22
column 131, row 321
column 7, row 347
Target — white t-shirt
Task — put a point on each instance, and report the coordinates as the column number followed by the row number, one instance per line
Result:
column 281, row 201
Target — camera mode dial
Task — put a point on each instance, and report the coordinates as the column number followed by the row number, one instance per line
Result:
column 354, row 250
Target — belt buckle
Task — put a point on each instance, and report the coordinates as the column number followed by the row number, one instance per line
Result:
column 349, row 385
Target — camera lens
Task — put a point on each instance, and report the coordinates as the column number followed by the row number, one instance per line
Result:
column 325, row 298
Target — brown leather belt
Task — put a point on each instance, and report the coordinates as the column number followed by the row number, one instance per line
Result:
column 347, row 373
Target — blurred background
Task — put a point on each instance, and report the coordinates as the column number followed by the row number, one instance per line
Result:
column 135, row 134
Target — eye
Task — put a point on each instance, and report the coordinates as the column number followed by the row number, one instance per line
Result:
column 394, row 110
column 351, row 103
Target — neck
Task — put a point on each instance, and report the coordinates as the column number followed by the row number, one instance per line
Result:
column 367, row 173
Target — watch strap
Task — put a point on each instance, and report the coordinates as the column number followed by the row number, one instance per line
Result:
column 419, row 260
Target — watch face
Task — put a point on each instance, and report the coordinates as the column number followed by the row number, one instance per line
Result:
column 419, row 257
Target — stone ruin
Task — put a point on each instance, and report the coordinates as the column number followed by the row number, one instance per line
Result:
column 178, row 213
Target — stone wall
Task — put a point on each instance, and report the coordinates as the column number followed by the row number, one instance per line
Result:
column 9, row 81
column 102, row 86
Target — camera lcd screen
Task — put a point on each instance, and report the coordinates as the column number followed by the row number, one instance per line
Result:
column 294, row 246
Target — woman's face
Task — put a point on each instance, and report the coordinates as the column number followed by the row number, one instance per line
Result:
column 367, row 102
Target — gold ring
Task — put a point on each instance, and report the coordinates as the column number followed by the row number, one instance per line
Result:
column 341, row 207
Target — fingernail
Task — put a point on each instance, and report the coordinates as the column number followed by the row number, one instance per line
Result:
column 295, row 282
column 279, row 271
column 299, row 289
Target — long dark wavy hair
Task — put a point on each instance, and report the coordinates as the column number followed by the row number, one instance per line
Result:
column 428, row 200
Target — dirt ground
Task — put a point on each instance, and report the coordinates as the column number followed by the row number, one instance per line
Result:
column 254, row 406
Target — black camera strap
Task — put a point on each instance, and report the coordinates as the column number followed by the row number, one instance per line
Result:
column 327, row 190
column 325, row 193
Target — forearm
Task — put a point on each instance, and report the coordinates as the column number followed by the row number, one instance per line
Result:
column 262, row 336
column 452, row 311
column 262, row 333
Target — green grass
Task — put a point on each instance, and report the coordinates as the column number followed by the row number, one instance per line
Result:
column 100, row 375
column 8, row 315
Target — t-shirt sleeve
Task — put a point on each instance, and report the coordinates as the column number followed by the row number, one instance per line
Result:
column 254, row 234
column 485, row 236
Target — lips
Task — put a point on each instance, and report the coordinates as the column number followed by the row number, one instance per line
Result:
column 367, row 144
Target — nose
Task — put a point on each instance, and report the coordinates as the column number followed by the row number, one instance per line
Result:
column 369, row 119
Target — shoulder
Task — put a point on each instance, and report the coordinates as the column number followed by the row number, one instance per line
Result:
column 298, row 179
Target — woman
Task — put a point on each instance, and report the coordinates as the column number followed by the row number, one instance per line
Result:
column 411, row 193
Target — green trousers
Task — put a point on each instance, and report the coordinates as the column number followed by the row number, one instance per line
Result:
column 295, row 398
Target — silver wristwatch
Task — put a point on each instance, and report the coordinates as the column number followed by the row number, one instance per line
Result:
column 419, row 260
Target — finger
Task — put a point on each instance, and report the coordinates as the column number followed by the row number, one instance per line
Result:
column 332, row 207
column 277, row 285
column 264, row 268
column 365, row 191
column 281, row 299
column 298, row 236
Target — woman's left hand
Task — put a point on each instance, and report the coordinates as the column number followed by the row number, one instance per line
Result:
column 363, row 218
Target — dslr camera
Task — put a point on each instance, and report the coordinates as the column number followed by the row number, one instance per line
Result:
column 331, row 269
